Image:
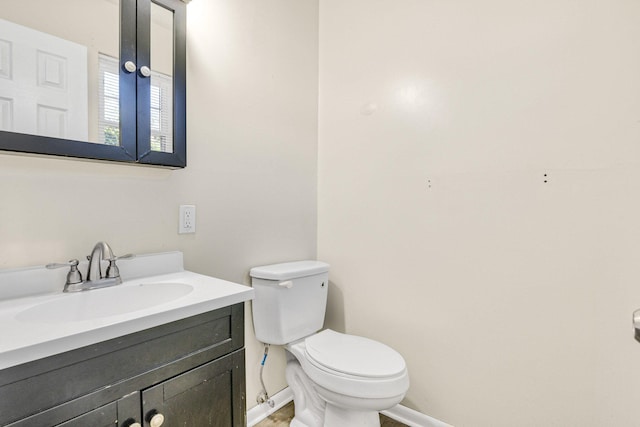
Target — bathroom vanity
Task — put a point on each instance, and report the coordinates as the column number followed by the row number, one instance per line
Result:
column 178, row 360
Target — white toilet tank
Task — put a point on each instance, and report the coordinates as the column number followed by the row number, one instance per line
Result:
column 290, row 300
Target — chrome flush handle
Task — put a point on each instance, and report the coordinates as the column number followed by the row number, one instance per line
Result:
column 636, row 324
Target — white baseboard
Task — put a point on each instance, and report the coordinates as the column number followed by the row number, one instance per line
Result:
column 262, row 411
column 399, row 413
column 413, row 418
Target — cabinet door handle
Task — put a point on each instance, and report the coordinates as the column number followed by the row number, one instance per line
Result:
column 130, row 66
column 157, row 420
column 145, row 71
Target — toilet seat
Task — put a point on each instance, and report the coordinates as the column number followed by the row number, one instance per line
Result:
column 330, row 364
column 352, row 355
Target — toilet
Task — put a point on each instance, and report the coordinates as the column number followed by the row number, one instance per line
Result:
column 338, row 380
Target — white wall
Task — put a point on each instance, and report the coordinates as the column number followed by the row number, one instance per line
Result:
column 252, row 148
column 510, row 297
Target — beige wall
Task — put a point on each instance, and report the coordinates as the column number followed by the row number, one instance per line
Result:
column 510, row 297
column 252, row 131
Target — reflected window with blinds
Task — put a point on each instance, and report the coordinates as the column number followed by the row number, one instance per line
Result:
column 161, row 112
column 108, row 101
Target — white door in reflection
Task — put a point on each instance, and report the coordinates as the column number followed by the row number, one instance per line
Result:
column 36, row 96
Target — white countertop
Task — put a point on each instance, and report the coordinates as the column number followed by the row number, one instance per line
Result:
column 27, row 340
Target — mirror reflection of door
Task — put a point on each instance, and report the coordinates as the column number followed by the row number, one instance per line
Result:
column 36, row 94
column 59, row 69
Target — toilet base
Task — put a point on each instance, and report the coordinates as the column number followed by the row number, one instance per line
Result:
column 309, row 407
column 311, row 410
column 334, row 416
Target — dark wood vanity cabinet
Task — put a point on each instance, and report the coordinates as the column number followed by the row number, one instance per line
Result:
column 190, row 372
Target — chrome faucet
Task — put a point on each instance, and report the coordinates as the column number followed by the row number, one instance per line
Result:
column 94, row 279
column 101, row 251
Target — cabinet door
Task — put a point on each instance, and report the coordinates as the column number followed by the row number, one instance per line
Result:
column 161, row 100
column 211, row 395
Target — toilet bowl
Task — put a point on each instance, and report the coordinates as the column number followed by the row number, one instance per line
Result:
column 338, row 380
column 356, row 377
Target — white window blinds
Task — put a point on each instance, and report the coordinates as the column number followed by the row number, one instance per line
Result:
column 108, row 101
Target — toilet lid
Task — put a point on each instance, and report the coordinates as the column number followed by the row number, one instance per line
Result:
column 353, row 355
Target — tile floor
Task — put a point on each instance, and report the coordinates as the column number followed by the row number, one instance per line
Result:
column 283, row 416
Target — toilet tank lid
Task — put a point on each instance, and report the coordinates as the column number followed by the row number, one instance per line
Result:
column 289, row 270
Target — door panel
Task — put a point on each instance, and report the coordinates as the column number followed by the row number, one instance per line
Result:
column 202, row 397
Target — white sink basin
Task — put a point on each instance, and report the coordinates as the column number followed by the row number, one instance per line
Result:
column 106, row 302
column 38, row 320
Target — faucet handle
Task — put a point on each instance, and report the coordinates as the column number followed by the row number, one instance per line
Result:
column 71, row 263
column 112, row 269
column 127, row 256
column 73, row 276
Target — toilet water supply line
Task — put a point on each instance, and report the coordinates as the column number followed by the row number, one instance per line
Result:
column 263, row 396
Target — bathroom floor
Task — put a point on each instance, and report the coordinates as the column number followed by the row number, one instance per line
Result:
column 282, row 417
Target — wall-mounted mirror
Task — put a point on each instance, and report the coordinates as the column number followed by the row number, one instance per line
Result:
column 62, row 78
column 56, row 77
